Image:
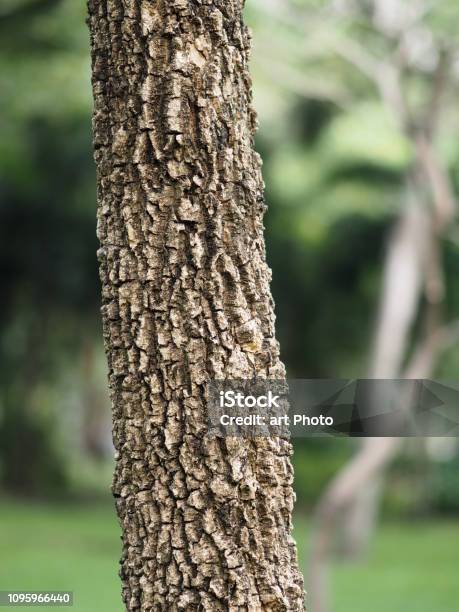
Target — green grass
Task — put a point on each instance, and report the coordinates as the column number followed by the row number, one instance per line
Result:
column 44, row 547
column 413, row 567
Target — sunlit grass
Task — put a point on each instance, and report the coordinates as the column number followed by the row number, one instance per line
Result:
column 62, row 548
column 412, row 567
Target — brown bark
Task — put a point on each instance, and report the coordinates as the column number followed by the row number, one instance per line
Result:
column 206, row 522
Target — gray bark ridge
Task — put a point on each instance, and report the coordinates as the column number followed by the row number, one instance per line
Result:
column 206, row 522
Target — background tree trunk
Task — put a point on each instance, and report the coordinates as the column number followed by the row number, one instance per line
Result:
column 206, row 522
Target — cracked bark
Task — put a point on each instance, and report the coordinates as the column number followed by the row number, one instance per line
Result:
column 185, row 298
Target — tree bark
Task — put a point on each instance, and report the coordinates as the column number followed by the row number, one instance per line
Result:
column 185, row 289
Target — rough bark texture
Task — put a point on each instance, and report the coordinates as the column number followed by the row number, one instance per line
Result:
column 206, row 522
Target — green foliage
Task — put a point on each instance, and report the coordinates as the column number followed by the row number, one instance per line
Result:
column 30, row 463
column 47, row 230
column 336, row 157
column 444, row 487
column 315, row 462
column 367, row 133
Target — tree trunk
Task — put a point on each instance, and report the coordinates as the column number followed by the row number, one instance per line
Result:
column 206, row 522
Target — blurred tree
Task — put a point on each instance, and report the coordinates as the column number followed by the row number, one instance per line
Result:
column 384, row 151
column 399, row 49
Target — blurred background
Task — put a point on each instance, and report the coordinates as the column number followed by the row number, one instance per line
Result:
column 359, row 133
